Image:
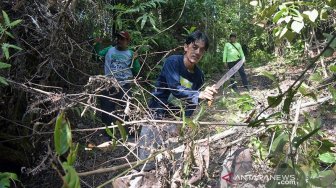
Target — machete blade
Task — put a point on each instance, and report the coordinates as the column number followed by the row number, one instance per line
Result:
column 229, row 74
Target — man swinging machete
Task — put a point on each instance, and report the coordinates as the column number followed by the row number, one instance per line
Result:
column 178, row 86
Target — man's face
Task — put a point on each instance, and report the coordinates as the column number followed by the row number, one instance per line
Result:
column 233, row 39
column 122, row 42
column 194, row 51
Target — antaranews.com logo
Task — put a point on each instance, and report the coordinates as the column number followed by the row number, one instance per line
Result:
column 230, row 178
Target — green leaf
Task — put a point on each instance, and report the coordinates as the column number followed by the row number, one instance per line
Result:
column 112, row 135
column 199, row 114
column 108, row 131
column 332, row 68
column 327, row 157
column 4, row 65
column 9, row 34
column 71, row 178
column 283, row 32
column 312, row 15
column 328, row 52
column 306, row 91
column 269, row 75
column 297, row 26
column 122, row 131
column 6, row 46
column 274, row 101
column 317, row 77
column 278, row 15
column 62, row 134
column 333, row 92
column 257, row 123
column 331, row 3
column 13, row 46
column 6, row 178
column 297, row 141
column 16, row 22
column 5, row 50
column 3, row 81
column 323, row 14
column 289, row 35
column 6, row 18
column 279, row 143
column 329, row 37
column 143, row 22
column 72, row 154
column 288, row 100
column 324, row 179
column 152, row 21
column 325, row 146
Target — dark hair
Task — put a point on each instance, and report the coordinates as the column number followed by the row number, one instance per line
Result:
column 198, row 35
column 233, row 35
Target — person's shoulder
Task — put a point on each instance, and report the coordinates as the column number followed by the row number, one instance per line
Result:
column 174, row 59
column 111, row 48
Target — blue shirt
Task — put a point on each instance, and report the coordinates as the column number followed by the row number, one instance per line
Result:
column 175, row 81
column 117, row 64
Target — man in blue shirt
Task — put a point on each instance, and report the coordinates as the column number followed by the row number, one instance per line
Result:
column 180, row 79
column 178, row 84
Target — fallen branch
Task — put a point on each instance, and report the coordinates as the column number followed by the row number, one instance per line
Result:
column 244, row 137
column 211, row 139
column 179, row 122
column 105, row 170
column 319, row 101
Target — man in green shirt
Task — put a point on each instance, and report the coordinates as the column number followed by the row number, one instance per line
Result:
column 232, row 54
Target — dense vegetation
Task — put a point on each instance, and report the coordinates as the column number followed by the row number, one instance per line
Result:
column 48, row 64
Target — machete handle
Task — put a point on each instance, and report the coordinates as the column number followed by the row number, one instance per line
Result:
column 209, row 103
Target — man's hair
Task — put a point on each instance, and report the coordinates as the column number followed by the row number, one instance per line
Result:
column 233, row 35
column 198, row 35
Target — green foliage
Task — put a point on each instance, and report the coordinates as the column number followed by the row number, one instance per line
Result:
column 212, row 63
column 63, row 142
column 72, row 154
column 274, row 101
column 62, row 134
column 327, row 157
column 138, row 7
column 71, row 178
column 4, row 33
column 239, row 103
column 122, row 131
column 6, row 178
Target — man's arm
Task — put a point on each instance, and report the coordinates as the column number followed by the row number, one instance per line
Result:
column 225, row 53
column 241, row 52
column 136, row 64
column 103, row 52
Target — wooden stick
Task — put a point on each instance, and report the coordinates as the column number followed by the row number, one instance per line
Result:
column 105, row 170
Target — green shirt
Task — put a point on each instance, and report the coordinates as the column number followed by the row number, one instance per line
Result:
column 231, row 54
column 136, row 65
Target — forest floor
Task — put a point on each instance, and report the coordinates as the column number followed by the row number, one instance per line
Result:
column 218, row 153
